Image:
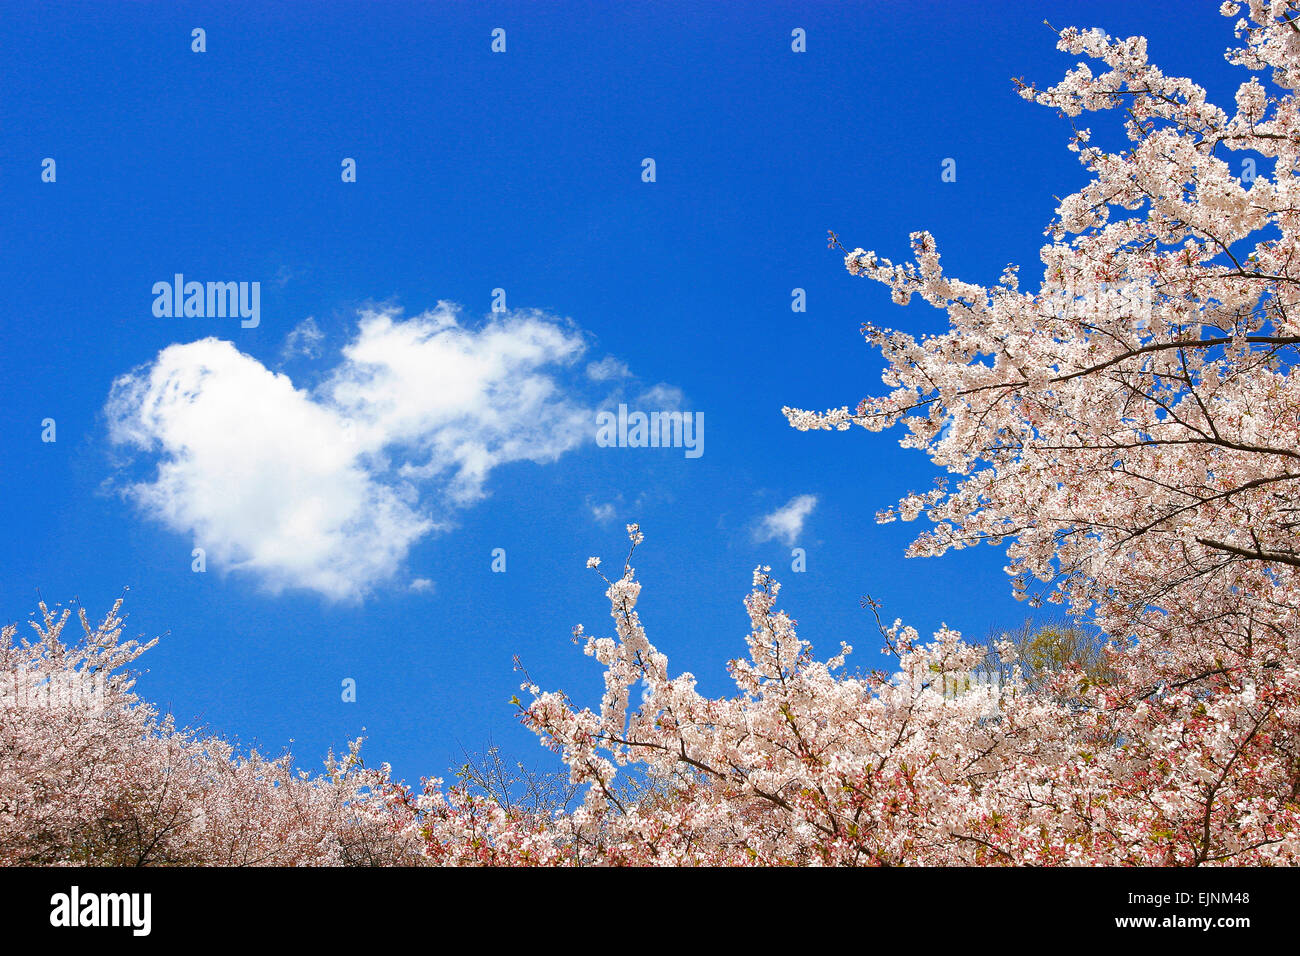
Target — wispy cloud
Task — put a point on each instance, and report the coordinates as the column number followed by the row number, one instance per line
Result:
column 663, row 397
column 329, row 489
column 607, row 369
column 304, row 340
column 786, row 523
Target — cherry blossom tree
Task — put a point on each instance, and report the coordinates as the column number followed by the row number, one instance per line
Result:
column 97, row 776
column 1130, row 425
column 809, row 763
column 1129, row 428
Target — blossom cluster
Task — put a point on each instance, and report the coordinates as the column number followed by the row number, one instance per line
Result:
column 117, row 784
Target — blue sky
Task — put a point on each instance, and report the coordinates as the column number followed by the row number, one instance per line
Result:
column 478, row 171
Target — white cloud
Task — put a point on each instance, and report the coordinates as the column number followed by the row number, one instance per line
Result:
column 328, row 490
column 606, row 369
column 786, row 523
column 456, row 402
column 422, row 585
column 304, row 339
column 602, row 513
column 661, row 397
